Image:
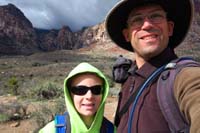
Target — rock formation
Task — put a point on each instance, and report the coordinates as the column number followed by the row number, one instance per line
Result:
column 18, row 36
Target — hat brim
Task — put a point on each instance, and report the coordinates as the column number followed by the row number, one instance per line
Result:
column 178, row 11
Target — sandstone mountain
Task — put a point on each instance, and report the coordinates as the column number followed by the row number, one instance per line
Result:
column 18, row 36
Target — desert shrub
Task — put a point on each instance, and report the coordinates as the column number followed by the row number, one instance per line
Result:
column 37, row 64
column 46, row 112
column 4, row 117
column 13, row 86
column 197, row 59
column 198, row 18
column 43, row 115
column 60, row 106
column 46, row 91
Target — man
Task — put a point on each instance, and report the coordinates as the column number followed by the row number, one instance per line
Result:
column 152, row 29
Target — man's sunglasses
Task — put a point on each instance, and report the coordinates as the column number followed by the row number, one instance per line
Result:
column 82, row 90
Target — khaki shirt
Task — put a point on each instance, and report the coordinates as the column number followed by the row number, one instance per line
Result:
column 187, row 94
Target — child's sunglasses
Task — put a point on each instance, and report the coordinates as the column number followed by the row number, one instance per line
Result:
column 82, row 90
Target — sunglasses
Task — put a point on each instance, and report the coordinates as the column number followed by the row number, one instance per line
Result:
column 155, row 17
column 82, row 90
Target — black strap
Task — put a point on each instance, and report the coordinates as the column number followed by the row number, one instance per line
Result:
column 128, row 103
column 109, row 126
column 67, row 119
column 126, row 106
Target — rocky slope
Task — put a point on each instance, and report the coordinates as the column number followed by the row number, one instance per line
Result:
column 18, row 36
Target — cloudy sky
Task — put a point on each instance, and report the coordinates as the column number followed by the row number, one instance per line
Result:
column 49, row 14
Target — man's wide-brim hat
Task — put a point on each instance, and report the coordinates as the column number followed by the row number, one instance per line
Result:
column 178, row 11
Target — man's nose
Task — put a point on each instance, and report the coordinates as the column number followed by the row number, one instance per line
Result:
column 147, row 23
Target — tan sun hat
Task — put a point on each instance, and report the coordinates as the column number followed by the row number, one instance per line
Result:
column 179, row 11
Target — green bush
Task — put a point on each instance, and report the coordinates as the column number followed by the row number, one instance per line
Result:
column 46, row 112
column 43, row 115
column 4, row 117
column 37, row 64
column 46, row 91
column 13, row 86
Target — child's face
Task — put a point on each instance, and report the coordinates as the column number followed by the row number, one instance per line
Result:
column 87, row 104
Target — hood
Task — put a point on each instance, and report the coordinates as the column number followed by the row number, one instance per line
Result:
column 77, row 124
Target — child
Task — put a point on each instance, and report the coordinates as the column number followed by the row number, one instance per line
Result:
column 85, row 90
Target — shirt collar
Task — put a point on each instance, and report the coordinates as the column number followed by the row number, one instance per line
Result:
column 165, row 57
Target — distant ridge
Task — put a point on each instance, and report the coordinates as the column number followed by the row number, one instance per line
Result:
column 19, row 37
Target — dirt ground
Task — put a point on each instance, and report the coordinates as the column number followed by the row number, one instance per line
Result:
column 28, row 125
column 110, row 108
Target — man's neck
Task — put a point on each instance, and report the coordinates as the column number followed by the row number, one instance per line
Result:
column 139, row 61
column 164, row 57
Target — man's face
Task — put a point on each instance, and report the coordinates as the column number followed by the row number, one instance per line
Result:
column 148, row 31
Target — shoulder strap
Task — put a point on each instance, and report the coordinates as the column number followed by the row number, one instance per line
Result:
column 62, row 123
column 109, row 126
column 124, row 109
column 135, row 95
column 166, row 99
column 147, row 82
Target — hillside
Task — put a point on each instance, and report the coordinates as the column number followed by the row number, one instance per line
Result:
column 19, row 37
column 31, row 86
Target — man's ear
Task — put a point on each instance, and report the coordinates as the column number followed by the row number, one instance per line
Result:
column 171, row 27
column 126, row 34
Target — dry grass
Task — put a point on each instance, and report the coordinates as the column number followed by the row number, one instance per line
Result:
column 41, row 71
column 31, row 72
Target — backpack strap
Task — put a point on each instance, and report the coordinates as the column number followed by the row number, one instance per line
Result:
column 147, row 82
column 165, row 95
column 108, row 125
column 62, row 123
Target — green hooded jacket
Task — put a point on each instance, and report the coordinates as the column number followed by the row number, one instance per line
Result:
column 77, row 124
